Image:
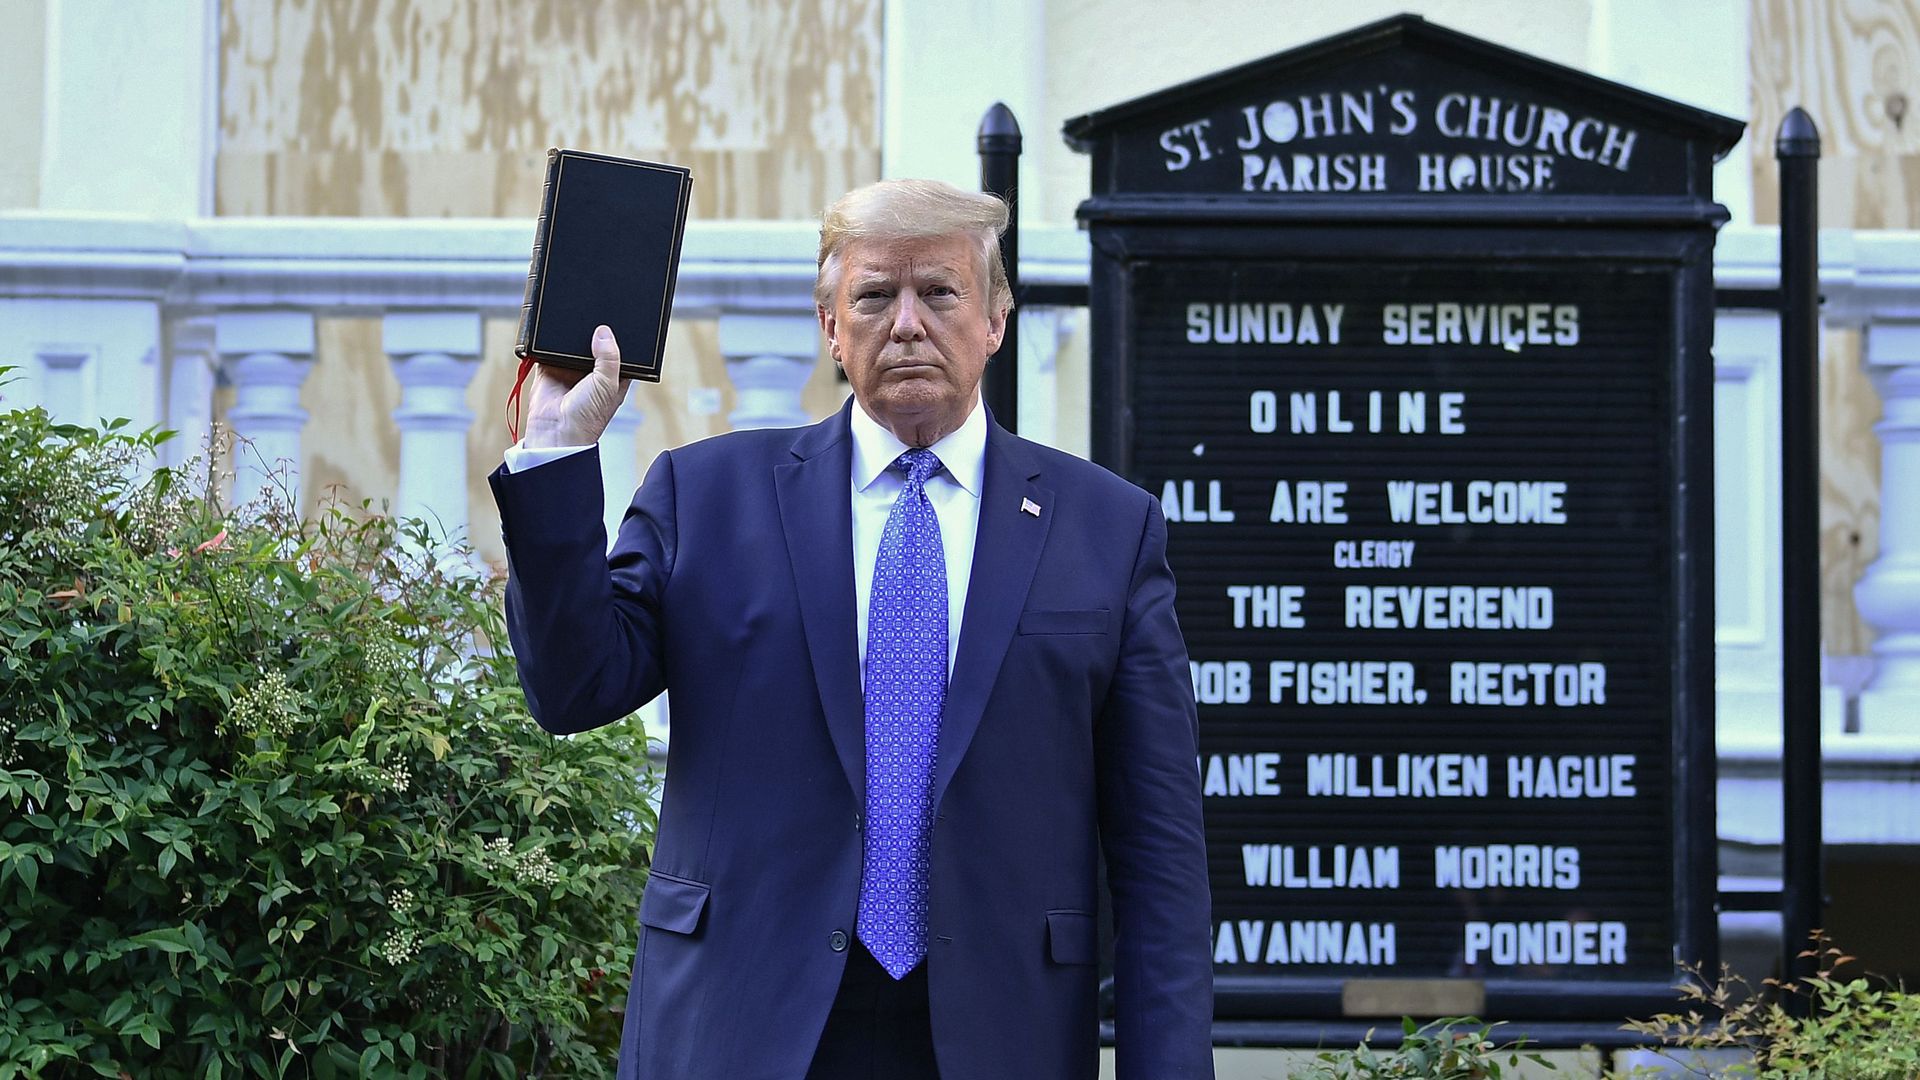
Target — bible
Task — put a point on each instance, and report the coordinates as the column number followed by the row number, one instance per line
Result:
column 606, row 249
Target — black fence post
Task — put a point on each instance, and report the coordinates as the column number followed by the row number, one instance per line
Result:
column 1798, row 151
column 999, row 147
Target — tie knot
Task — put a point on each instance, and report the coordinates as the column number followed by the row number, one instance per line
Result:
column 918, row 464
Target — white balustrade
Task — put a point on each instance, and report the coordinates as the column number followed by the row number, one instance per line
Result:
column 191, row 374
column 1042, row 331
column 434, row 355
column 83, row 299
column 1889, row 594
column 619, row 465
column 266, row 356
column 770, row 356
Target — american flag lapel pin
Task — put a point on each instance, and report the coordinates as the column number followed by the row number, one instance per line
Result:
column 1028, row 506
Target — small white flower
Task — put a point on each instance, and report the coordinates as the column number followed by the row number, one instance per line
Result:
column 269, row 705
column 400, row 946
column 396, row 777
column 386, row 659
column 536, row 867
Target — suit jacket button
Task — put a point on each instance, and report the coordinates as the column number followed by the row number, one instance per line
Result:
column 837, row 941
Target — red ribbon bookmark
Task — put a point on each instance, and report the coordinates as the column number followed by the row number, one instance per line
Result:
column 513, row 399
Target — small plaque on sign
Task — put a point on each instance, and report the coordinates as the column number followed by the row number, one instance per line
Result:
column 1413, row 997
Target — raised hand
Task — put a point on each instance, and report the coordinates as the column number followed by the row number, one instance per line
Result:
column 573, row 408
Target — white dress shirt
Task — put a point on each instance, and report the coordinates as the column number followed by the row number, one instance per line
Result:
column 954, row 492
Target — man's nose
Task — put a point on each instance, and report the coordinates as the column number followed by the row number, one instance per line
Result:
column 906, row 319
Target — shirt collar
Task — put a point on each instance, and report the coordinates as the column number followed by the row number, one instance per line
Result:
column 963, row 452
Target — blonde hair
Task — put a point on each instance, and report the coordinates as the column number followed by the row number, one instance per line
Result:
column 914, row 209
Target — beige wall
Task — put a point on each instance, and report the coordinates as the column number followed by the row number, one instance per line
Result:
column 1855, row 67
column 23, row 89
column 447, row 107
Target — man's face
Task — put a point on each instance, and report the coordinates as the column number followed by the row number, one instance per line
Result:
column 911, row 325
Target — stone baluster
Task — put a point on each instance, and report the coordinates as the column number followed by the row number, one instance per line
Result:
column 1889, row 594
column 770, row 357
column 191, row 375
column 1042, row 331
column 434, row 356
column 619, row 479
column 266, row 356
column 619, row 465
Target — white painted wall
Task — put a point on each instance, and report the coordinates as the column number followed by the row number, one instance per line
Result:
column 945, row 65
column 130, row 95
column 1693, row 52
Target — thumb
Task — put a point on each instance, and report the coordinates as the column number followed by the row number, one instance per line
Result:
column 606, row 355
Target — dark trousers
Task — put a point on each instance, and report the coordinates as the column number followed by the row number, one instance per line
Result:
column 879, row 1028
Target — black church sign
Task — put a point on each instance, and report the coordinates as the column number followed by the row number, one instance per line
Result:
column 1410, row 333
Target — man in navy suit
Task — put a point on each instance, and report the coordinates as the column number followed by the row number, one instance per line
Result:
column 924, row 674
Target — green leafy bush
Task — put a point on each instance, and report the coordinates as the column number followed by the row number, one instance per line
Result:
column 1846, row 1028
column 270, row 802
column 1455, row 1048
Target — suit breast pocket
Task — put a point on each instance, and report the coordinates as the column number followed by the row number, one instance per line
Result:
column 1065, row 621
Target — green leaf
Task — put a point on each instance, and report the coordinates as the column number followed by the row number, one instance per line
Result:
column 129, row 699
column 169, row 940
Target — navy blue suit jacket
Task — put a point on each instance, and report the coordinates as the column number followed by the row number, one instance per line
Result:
column 1069, row 728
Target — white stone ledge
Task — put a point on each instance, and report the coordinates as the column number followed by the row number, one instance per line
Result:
column 1855, row 811
column 1861, row 753
column 379, row 263
column 386, row 262
column 1869, row 784
column 70, row 231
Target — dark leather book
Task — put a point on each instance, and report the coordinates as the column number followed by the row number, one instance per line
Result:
column 605, row 250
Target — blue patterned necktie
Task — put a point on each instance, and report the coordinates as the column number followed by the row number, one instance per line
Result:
column 906, row 680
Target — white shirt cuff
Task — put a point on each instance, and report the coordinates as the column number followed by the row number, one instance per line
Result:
column 521, row 458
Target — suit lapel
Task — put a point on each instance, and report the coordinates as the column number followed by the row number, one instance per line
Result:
column 1006, row 550
column 817, row 516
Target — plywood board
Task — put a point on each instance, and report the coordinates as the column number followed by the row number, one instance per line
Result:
column 446, row 107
